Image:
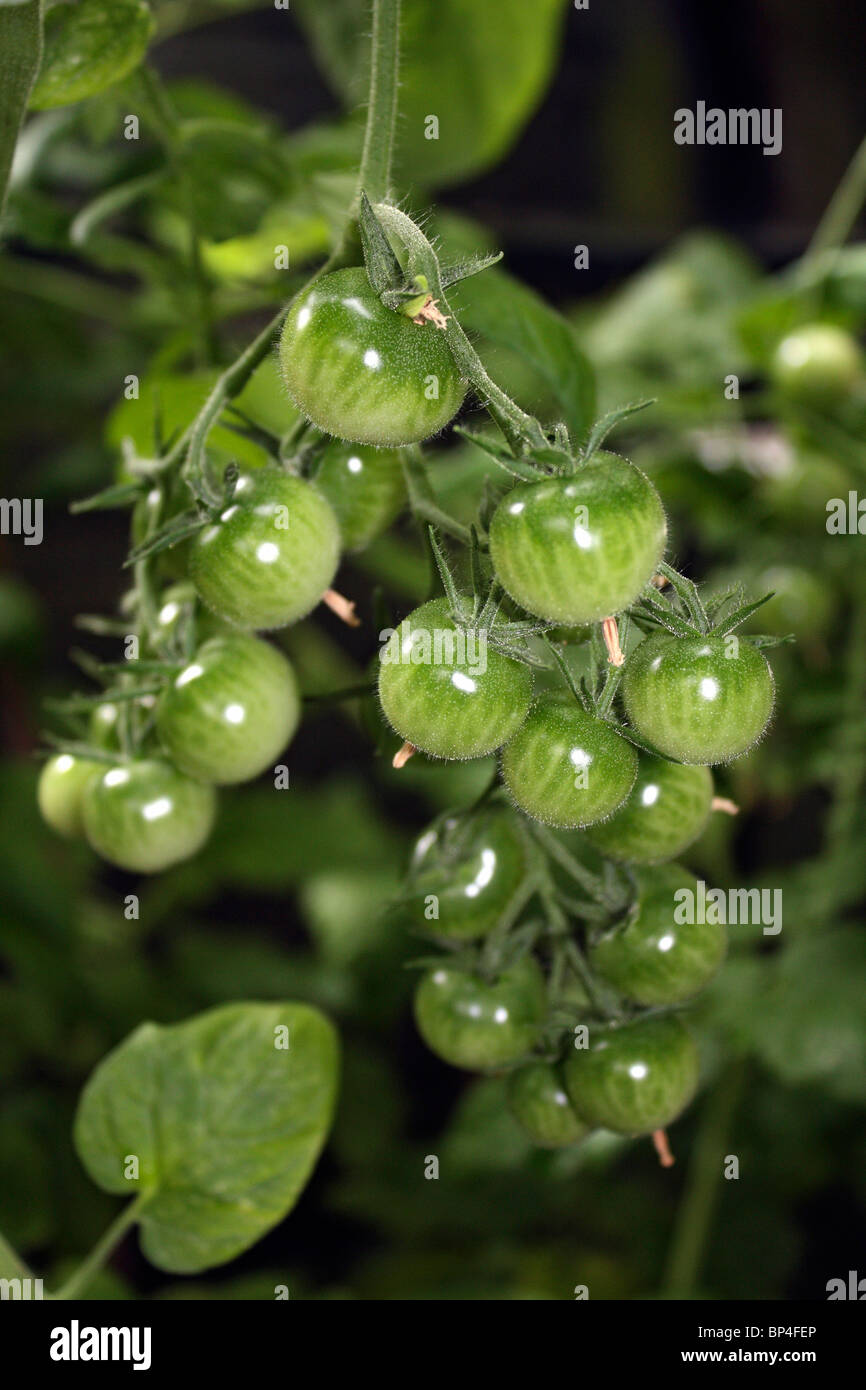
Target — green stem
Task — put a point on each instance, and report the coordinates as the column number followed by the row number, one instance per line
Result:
column 422, row 501
column 842, row 211
column 697, row 1207
column 74, row 1286
column 521, row 430
column 167, row 127
column 588, row 881
column 11, row 1264
column 375, row 171
column 229, row 385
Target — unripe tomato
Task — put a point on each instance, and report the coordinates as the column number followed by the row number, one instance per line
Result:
column 468, row 869
column 448, row 691
column 365, row 486
column 578, row 548
column 666, row 810
column 103, row 731
column 363, row 372
column 539, row 1102
column 89, row 46
column 60, row 792
column 565, row 767
column 654, row 958
column 698, row 699
column 145, row 815
column 271, row 555
column 228, row 714
column 635, row 1077
column 801, row 603
column 477, row 1024
column 817, row 364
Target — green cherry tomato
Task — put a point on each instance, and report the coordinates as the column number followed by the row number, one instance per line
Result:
column 656, row 957
column 363, row 372
column 635, row 1077
column 228, row 714
column 365, row 486
column 88, row 46
column 271, row 554
column 578, row 548
column 565, row 767
column 447, row 690
column 801, row 602
column 817, row 364
column 539, row 1102
column 465, row 871
column 477, row 1024
column 145, row 816
column 60, row 792
column 666, row 810
column 698, row 699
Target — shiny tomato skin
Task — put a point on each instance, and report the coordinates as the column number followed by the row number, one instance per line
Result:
column 362, row 372
column 365, row 486
column 467, row 871
column 60, row 792
column 539, row 1102
column 634, row 1077
column 565, row 767
column 145, row 816
column 658, row 957
column 478, row 1024
column 665, row 811
column 448, row 692
column 698, row 699
column 818, row 364
column 230, row 711
column 271, row 554
column 578, row 548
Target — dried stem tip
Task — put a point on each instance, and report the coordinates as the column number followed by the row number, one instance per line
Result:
column 722, row 803
column 402, row 756
column 662, row 1148
column 343, row 607
column 611, row 641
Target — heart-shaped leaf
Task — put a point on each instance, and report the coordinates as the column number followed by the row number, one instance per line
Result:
column 215, row 1124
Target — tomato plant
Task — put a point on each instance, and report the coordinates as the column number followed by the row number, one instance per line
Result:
column 666, row 809
column 146, row 815
column 362, row 371
column 699, row 699
column 655, row 957
column 633, row 1078
column 540, row 1104
column 268, row 556
column 228, row 714
column 481, row 1024
column 581, row 547
column 286, row 335
column 446, row 690
column 566, row 767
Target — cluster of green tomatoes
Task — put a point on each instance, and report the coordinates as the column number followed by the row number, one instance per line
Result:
column 568, row 549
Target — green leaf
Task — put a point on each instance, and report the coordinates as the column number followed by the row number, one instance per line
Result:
column 20, row 55
column 479, row 66
column 226, row 1122
column 89, row 46
column 506, row 313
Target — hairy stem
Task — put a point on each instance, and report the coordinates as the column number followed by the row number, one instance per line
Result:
column 75, row 1286
column 375, row 171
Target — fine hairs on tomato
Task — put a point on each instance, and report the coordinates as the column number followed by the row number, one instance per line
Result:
column 363, row 372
